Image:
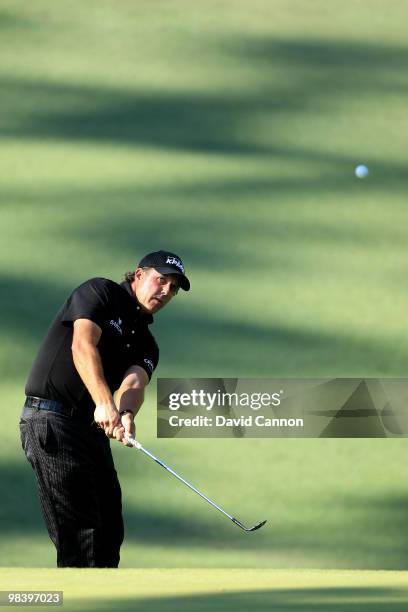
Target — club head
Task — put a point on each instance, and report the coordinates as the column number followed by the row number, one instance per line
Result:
column 254, row 528
column 258, row 526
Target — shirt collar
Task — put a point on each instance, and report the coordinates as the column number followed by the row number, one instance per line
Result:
column 146, row 316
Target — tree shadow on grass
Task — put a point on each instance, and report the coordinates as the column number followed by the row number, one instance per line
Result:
column 10, row 21
column 377, row 527
column 20, row 515
column 335, row 599
column 249, row 348
column 311, row 75
column 204, row 218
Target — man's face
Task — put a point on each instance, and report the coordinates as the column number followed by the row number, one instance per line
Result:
column 153, row 289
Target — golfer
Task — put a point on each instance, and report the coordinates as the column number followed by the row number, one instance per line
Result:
column 98, row 343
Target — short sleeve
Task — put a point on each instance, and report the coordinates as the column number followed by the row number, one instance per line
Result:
column 148, row 358
column 89, row 301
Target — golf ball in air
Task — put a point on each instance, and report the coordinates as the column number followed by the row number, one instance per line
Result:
column 361, row 171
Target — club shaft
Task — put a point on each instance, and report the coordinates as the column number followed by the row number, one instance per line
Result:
column 169, row 469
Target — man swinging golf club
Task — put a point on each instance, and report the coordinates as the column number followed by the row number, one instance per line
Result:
column 98, row 343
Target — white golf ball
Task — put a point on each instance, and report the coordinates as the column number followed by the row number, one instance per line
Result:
column 361, row 171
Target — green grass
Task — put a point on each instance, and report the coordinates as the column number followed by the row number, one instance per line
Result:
column 329, row 503
column 227, row 133
column 216, row 589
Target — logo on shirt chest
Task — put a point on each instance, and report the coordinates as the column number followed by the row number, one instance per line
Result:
column 117, row 325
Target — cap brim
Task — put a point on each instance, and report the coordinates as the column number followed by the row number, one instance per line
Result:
column 184, row 283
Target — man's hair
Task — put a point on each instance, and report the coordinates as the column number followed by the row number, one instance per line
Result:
column 130, row 276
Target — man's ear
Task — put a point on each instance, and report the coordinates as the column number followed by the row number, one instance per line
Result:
column 139, row 273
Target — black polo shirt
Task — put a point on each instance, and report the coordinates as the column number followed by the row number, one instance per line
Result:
column 125, row 341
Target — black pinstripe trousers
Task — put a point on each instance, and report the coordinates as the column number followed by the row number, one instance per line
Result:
column 77, row 485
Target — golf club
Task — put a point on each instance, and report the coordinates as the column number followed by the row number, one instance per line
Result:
column 138, row 446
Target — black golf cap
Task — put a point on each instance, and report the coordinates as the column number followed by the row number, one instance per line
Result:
column 166, row 263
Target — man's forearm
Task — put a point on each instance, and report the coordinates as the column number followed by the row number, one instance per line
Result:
column 130, row 399
column 87, row 361
column 130, row 395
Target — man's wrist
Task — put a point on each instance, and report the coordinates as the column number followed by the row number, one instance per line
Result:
column 126, row 411
column 106, row 405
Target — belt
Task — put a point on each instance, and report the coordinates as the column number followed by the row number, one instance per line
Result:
column 46, row 404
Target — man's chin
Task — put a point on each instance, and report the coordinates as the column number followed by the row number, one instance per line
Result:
column 153, row 306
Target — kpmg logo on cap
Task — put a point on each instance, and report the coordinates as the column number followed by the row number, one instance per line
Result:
column 175, row 262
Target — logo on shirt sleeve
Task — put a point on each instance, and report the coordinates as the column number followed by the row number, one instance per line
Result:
column 149, row 364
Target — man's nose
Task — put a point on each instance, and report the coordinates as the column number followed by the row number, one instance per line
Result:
column 166, row 290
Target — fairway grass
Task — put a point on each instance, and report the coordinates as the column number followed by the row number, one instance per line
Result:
column 228, row 133
column 216, row 589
